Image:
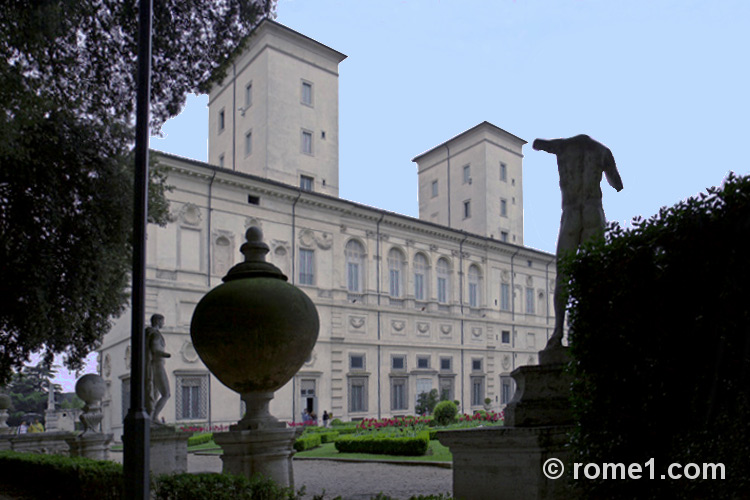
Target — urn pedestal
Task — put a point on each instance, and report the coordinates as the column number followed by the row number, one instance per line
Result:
column 254, row 332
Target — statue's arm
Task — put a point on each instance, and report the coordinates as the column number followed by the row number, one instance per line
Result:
column 548, row 145
column 611, row 172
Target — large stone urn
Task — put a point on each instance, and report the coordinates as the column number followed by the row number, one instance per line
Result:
column 91, row 443
column 254, row 332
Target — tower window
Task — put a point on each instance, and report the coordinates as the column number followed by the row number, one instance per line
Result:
column 307, row 93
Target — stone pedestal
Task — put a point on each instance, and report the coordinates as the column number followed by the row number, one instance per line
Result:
column 168, row 450
column 94, row 446
column 542, row 393
column 264, row 451
column 5, row 443
column 499, row 463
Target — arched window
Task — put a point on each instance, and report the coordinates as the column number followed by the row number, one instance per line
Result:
column 355, row 266
column 443, row 280
column 420, row 277
column 475, row 279
column 396, row 272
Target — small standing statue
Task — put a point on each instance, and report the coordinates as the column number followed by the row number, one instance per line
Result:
column 580, row 162
column 157, row 383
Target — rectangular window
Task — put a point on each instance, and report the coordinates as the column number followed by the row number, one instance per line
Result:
column 530, row 309
column 467, row 209
column 357, row 394
column 476, row 365
column 357, row 361
column 248, row 143
column 418, row 286
column 398, row 362
column 423, row 362
column 503, row 207
column 398, row 394
column 505, row 337
column 446, row 388
column 434, row 188
column 504, row 297
column 503, row 172
column 221, row 160
column 306, row 267
column 473, row 289
column 530, row 340
column 504, row 236
column 306, row 182
column 467, row 174
column 395, row 282
column 307, row 93
column 352, row 269
column 442, row 289
column 477, row 391
column 506, row 390
column 445, row 364
column 191, row 398
column 221, row 120
column 248, row 95
column 307, row 146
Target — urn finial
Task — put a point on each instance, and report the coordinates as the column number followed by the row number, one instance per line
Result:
column 255, row 265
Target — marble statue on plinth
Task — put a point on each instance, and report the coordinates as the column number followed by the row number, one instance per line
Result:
column 157, row 382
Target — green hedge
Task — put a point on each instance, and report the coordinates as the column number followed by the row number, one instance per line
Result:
column 55, row 476
column 384, row 445
column 328, row 437
column 660, row 333
column 307, row 442
column 208, row 486
column 200, row 439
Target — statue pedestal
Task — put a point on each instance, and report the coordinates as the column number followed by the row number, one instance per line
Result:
column 94, row 446
column 508, row 462
column 168, row 450
column 263, row 451
column 50, row 443
column 499, row 463
column 542, row 392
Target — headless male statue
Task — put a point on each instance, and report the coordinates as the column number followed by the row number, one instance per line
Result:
column 580, row 162
column 157, row 383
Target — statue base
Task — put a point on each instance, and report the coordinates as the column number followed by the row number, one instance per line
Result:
column 506, row 463
column 92, row 445
column 266, row 451
column 168, row 450
column 542, row 392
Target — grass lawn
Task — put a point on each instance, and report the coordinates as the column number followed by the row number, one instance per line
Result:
column 435, row 453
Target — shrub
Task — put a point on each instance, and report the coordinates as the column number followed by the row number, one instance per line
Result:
column 328, row 437
column 445, row 412
column 200, row 439
column 659, row 323
column 337, row 421
column 307, row 442
column 385, row 445
column 209, row 486
column 50, row 476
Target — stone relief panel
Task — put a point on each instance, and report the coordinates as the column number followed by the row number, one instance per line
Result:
column 188, row 353
column 423, row 329
column 446, row 329
column 311, row 239
column 280, row 256
column 357, row 324
column 107, row 366
column 505, row 276
column 506, row 362
column 252, row 222
column 190, row 214
column 127, row 358
column 529, row 281
column 476, row 333
column 398, row 327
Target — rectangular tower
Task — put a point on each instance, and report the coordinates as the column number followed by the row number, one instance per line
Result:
column 275, row 115
column 473, row 182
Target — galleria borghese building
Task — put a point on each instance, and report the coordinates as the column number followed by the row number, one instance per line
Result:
column 450, row 301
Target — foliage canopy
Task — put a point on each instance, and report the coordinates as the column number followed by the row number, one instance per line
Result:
column 660, row 333
column 67, row 88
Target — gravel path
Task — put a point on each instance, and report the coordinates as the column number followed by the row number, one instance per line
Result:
column 354, row 480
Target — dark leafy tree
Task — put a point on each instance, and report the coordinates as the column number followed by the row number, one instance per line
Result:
column 67, row 88
column 29, row 390
column 426, row 402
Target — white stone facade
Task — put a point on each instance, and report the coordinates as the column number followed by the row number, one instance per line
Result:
column 406, row 305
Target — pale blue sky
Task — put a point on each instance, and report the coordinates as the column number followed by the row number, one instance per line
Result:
column 664, row 84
